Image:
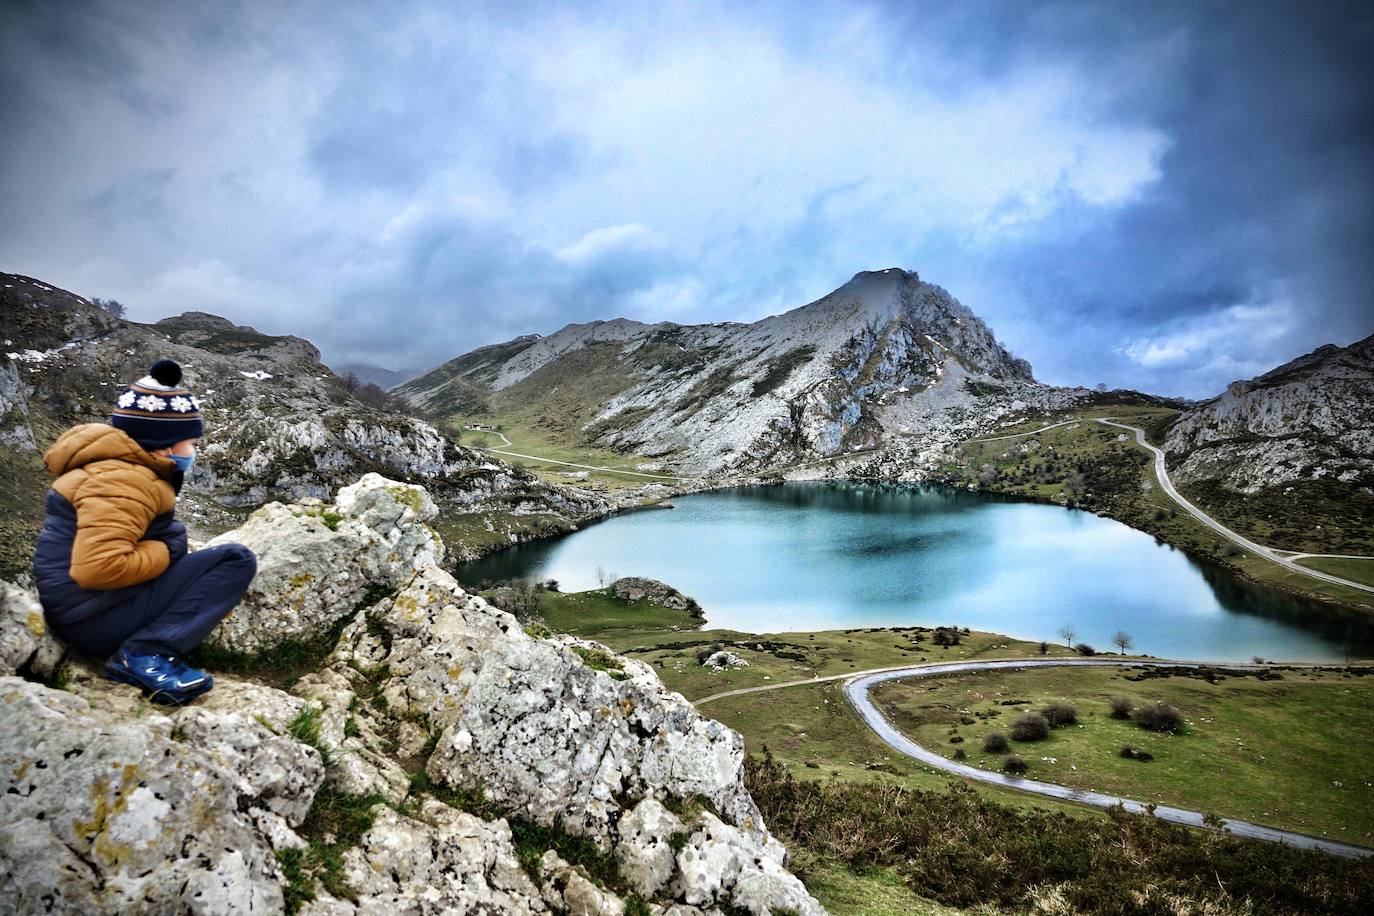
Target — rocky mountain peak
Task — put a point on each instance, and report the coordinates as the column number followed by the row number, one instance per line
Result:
column 832, row 375
column 205, row 319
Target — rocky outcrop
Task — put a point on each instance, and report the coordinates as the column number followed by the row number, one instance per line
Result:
column 1310, row 419
column 109, row 813
column 25, row 643
column 317, row 561
column 466, row 746
column 724, row 659
column 635, row 588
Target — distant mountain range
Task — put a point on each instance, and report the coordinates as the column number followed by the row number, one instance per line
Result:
column 376, row 375
column 886, row 356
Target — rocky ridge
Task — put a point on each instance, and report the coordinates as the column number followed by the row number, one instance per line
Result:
column 886, row 359
column 1309, row 419
column 468, row 747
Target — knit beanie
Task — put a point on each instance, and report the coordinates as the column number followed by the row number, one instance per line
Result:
column 155, row 412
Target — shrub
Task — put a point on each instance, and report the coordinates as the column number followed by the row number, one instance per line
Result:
column 1044, row 648
column 1084, row 649
column 1160, row 717
column 956, row 739
column 996, row 743
column 946, row 637
column 959, row 754
column 1030, row 727
column 1060, row 714
column 1014, row 765
column 1128, row 752
column 1121, row 707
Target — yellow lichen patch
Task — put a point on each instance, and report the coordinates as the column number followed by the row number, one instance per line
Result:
column 455, row 672
column 34, row 621
column 301, row 579
column 407, row 496
column 94, row 829
column 627, row 706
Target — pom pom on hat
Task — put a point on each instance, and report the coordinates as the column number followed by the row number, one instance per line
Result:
column 166, row 371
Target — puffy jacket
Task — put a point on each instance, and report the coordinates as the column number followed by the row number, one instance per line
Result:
column 110, row 522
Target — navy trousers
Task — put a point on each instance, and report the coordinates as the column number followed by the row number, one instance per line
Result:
column 172, row 614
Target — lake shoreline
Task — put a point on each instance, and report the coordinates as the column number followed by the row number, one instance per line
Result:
column 899, row 510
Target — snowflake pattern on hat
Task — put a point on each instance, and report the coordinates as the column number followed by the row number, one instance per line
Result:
column 155, row 412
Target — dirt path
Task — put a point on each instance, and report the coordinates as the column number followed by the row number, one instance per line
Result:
column 589, row 467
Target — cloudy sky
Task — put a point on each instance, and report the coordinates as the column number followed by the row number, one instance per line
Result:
column 1161, row 196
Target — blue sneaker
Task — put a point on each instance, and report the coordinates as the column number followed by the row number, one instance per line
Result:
column 164, row 678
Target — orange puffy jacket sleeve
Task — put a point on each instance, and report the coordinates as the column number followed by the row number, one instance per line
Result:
column 113, row 510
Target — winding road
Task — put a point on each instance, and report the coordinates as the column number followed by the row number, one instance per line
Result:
column 858, row 684
column 856, row 691
column 1286, row 559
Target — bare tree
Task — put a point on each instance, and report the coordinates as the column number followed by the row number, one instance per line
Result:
column 1123, row 640
column 600, row 576
column 113, row 306
column 1068, row 632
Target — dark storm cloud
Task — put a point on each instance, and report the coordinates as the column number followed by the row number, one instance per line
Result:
column 1166, row 196
column 1263, row 203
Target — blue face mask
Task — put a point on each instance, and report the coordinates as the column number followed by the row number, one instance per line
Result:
column 184, row 462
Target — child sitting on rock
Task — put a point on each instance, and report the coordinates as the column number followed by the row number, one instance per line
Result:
column 111, row 563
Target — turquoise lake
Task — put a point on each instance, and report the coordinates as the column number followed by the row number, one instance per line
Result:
column 821, row 556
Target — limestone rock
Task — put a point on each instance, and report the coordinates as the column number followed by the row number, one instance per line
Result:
column 316, row 563
column 568, row 890
column 534, row 723
column 719, row 865
column 279, row 773
column 634, row 588
column 361, row 765
column 105, row 815
column 724, row 659
column 25, row 643
column 645, row 852
column 442, row 861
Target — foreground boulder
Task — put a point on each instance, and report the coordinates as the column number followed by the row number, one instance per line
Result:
column 317, row 561
column 103, row 813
